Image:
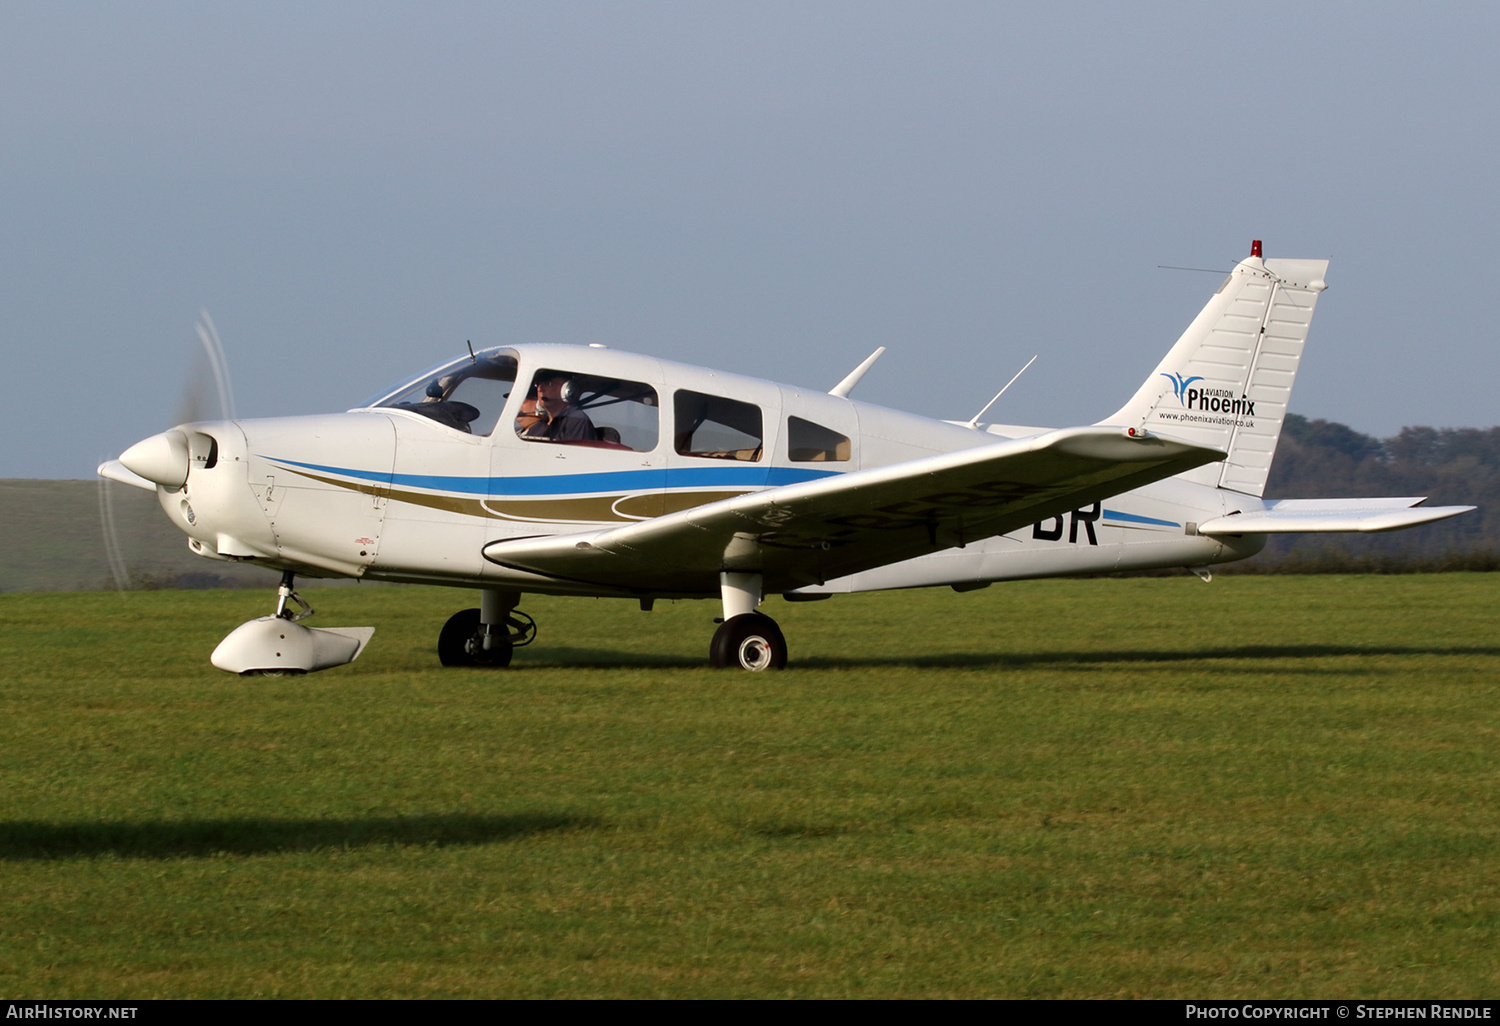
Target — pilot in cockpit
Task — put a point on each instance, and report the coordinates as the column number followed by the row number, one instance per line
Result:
column 557, row 420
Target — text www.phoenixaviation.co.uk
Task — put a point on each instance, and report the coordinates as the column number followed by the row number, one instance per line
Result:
column 1198, row 418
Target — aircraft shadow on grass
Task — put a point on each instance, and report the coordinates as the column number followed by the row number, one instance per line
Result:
column 612, row 660
column 161, row 839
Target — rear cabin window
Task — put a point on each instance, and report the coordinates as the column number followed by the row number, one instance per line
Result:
column 715, row 428
column 807, row 442
column 599, row 412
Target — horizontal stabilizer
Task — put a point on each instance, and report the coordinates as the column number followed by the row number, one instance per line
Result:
column 1315, row 516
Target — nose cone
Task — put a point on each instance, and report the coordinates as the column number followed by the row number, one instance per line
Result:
column 161, row 458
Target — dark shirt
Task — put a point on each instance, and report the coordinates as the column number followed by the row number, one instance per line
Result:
column 572, row 426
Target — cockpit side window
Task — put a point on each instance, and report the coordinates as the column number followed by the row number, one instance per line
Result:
column 813, row 443
column 591, row 410
column 712, row 427
column 466, row 395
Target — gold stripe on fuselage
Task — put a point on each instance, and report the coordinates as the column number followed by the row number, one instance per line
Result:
column 583, row 509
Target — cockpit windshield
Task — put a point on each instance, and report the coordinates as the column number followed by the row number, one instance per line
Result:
column 467, row 394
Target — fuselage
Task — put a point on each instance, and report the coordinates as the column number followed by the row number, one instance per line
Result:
column 412, row 486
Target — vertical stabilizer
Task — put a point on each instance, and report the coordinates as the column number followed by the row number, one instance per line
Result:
column 1227, row 381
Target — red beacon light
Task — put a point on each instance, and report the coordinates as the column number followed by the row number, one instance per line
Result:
column 1255, row 247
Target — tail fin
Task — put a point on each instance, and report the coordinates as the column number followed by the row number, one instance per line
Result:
column 1227, row 381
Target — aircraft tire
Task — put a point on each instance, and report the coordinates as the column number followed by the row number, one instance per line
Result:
column 750, row 641
column 453, row 643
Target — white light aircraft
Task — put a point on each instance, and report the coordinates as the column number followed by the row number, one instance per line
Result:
column 574, row 470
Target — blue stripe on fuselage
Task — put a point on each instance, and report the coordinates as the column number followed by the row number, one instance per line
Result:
column 576, row 484
column 1132, row 518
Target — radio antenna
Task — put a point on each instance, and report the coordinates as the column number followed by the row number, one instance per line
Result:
column 975, row 422
column 472, row 358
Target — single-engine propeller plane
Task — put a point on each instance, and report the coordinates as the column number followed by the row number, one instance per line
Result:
column 581, row 470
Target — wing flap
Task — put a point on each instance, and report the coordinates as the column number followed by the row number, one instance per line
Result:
column 813, row 531
column 1317, row 516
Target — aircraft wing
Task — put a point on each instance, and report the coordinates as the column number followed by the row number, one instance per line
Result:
column 807, row 533
column 1309, row 516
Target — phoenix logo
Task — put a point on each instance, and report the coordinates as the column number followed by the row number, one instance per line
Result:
column 1209, row 400
column 1179, row 383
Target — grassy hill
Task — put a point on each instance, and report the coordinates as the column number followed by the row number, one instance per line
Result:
column 53, row 535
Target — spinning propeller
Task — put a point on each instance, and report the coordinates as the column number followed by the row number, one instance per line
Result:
column 163, row 459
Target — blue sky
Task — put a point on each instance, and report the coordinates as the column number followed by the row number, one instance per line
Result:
column 352, row 190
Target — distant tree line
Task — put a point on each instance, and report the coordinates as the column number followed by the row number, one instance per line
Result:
column 1452, row 466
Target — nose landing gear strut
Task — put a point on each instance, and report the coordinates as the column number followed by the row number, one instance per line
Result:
column 285, row 594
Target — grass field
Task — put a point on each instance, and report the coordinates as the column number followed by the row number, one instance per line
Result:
column 1261, row 787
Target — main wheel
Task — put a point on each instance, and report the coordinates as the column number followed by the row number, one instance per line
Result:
column 750, row 641
column 461, row 644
